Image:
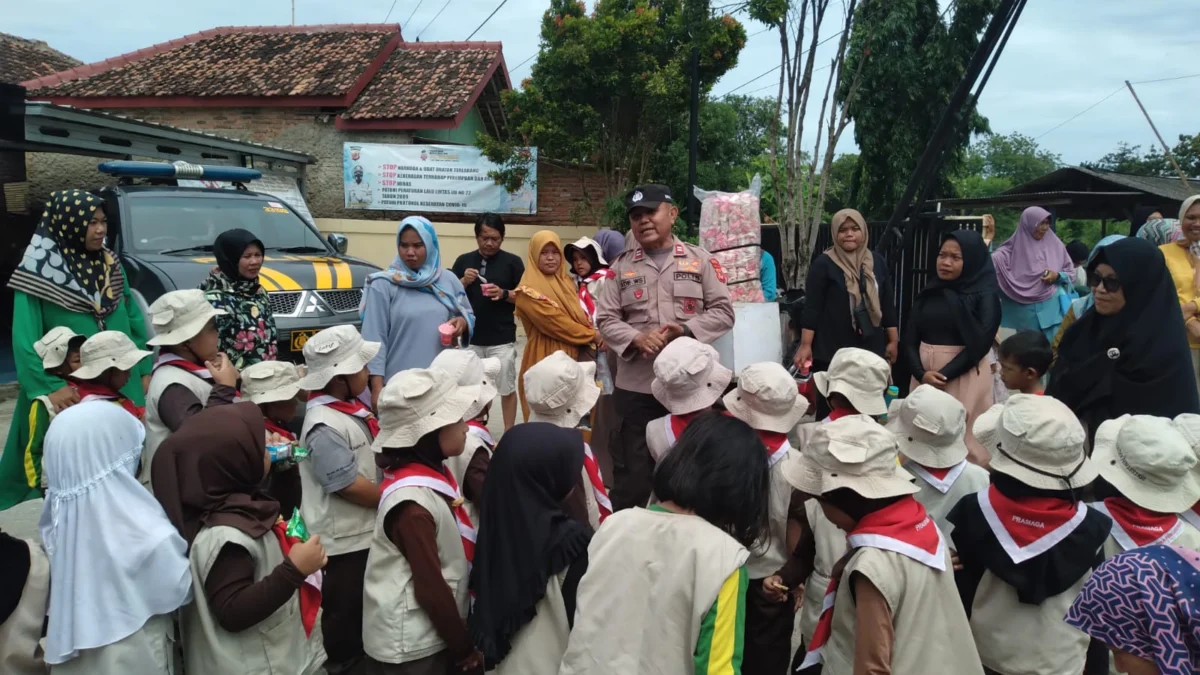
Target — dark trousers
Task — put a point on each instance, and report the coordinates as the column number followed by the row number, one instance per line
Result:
column 633, row 467
column 342, row 612
column 768, row 649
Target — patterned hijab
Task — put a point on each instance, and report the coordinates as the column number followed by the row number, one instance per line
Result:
column 1146, row 602
column 58, row 268
column 247, row 331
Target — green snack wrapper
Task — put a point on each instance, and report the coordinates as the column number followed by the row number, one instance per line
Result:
column 296, row 527
column 299, row 453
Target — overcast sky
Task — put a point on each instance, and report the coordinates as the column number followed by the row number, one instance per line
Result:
column 1064, row 56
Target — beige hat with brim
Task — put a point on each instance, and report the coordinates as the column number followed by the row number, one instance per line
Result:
column 767, row 398
column 853, row 452
column 270, row 381
column 929, row 426
column 1039, row 441
column 179, row 316
column 582, row 243
column 419, row 401
column 859, row 375
column 339, row 350
column 54, row 346
column 1149, row 461
column 104, row 350
column 470, row 370
column 688, row 376
column 560, row 391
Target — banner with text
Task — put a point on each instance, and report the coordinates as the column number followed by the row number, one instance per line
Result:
column 430, row 178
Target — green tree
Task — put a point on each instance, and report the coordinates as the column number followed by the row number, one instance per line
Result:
column 995, row 163
column 1130, row 159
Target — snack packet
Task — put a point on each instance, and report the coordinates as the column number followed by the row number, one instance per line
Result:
column 296, row 527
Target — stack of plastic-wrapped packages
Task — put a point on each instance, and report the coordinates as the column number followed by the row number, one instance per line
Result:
column 730, row 229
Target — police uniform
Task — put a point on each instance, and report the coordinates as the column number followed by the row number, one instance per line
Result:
column 689, row 290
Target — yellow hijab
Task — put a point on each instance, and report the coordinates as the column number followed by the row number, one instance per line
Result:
column 556, row 288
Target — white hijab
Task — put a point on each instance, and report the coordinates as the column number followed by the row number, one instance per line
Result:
column 115, row 559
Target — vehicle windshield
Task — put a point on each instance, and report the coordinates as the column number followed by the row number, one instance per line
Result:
column 168, row 223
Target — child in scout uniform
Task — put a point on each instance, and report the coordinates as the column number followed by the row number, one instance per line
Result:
column 189, row 374
column 665, row 588
column 1027, row 543
column 105, row 362
column 892, row 605
column 854, row 383
column 767, row 399
column 274, row 386
column 560, row 391
column 470, row 468
column 59, row 351
column 339, row 479
column 688, row 380
column 930, row 426
column 415, row 596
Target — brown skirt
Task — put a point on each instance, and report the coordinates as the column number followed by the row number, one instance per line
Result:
column 973, row 389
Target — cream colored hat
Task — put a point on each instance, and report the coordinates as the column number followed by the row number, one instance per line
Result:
column 1188, row 424
column 339, row 350
column 766, row 398
column 104, row 350
column 560, row 390
column 985, row 428
column 582, row 243
column 417, row 401
column 1039, row 441
column 179, row 316
column 853, row 452
column 929, row 426
column 1149, row 461
column 859, row 375
column 270, row 381
column 54, row 346
column 688, row 376
column 470, row 370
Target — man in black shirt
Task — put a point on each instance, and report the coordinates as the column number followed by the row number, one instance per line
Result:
column 489, row 275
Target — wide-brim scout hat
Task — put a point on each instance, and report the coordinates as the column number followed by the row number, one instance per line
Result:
column 766, row 398
column 104, row 350
column 179, row 316
column 270, row 381
column 560, row 391
column 1149, row 461
column 470, row 370
column 54, row 346
column 688, row 376
column 929, row 426
column 859, row 375
column 339, row 350
column 418, row 401
column 581, row 244
column 1039, row 441
column 853, row 452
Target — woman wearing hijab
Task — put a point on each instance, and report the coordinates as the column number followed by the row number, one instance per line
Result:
column 952, row 327
column 247, row 329
column 1084, row 303
column 119, row 567
column 530, row 554
column 1079, row 255
column 848, row 301
column 257, row 590
column 404, row 305
column 1183, row 263
column 1129, row 355
column 1145, row 606
column 1160, row 231
column 67, row 277
column 1033, row 268
column 1141, row 215
column 549, row 308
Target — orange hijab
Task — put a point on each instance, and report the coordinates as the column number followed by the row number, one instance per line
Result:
column 556, row 288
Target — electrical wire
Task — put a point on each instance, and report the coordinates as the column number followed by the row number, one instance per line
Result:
column 435, row 18
column 759, row 77
column 1081, row 112
column 1167, row 79
column 489, row 18
column 389, row 14
column 413, row 13
column 518, row 66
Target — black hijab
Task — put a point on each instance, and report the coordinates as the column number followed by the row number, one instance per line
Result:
column 1078, row 252
column 427, row 451
column 1136, row 361
column 1140, row 215
column 228, row 249
column 969, row 294
column 524, row 537
column 14, row 572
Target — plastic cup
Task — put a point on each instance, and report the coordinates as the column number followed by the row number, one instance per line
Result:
column 447, row 332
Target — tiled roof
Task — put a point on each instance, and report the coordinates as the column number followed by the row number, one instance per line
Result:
column 426, row 80
column 22, row 59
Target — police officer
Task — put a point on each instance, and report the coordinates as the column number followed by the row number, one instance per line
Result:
column 664, row 289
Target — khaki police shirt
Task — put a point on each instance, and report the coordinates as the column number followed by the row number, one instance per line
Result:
column 690, row 290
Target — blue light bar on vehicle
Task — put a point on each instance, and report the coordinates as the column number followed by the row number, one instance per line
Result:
column 182, row 170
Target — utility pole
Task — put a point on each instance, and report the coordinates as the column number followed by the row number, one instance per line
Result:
column 1170, row 156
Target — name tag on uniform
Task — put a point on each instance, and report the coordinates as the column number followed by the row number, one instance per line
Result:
column 688, row 276
column 636, row 281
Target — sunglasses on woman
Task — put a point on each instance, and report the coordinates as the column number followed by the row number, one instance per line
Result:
column 1111, row 284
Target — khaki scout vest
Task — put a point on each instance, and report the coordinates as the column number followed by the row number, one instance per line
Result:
column 395, row 628
column 538, row 648
column 767, row 557
column 276, row 645
column 344, row 527
column 20, row 650
column 156, row 431
column 938, row 504
column 1018, row 639
column 831, row 546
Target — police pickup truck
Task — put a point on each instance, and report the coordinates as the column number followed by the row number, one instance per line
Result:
column 165, row 233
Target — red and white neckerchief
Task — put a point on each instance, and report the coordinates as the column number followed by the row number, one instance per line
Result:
column 355, row 408
column 1192, row 516
column 90, row 391
column 477, row 429
column 419, row 475
column 179, row 362
column 941, row 479
column 1031, row 526
column 1135, row 527
column 674, row 425
column 777, row 445
column 838, row 413
column 603, row 504
column 310, row 590
column 904, row 528
column 276, row 428
column 585, row 292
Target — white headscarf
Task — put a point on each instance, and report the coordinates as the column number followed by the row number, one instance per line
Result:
column 115, row 559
